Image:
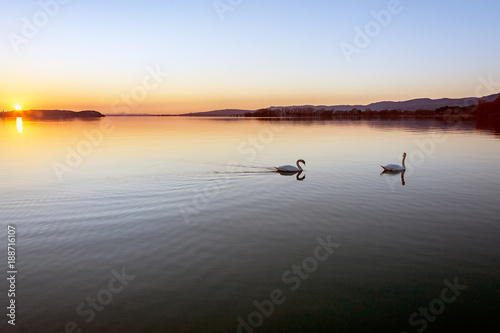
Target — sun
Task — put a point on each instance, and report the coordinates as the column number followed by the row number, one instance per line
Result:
column 18, row 107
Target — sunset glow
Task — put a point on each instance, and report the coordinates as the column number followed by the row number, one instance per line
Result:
column 178, row 57
column 18, row 107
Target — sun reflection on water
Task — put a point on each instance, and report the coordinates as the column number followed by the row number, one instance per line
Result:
column 19, row 123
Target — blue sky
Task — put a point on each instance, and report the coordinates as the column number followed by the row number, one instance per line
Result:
column 89, row 54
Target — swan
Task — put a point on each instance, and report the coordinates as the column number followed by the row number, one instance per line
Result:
column 291, row 168
column 395, row 167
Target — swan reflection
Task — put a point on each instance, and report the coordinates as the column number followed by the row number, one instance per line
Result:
column 291, row 173
column 394, row 173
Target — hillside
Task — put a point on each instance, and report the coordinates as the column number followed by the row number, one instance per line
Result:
column 488, row 116
column 410, row 105
column 489, row 109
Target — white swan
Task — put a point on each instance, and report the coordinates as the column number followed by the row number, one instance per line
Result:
column 395, row 167
column 291, row 168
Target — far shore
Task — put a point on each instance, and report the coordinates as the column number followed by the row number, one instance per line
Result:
column 52, row 114
column 465, row 109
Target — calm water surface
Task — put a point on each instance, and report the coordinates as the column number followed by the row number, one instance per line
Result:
column 204, row 236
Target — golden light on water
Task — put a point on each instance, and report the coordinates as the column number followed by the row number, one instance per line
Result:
column 19, row 123
column 18, row 107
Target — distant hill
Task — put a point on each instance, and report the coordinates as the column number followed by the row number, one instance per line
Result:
column 52, row 114
column 410, row 105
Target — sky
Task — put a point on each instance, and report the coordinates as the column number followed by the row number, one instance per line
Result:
column 177, row 56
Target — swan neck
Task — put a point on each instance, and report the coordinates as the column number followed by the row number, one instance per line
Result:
column 403, row 163
column 298, row 165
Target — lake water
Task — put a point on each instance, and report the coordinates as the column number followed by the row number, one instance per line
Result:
column 169, row 224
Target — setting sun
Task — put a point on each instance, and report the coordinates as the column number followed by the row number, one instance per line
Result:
column 18, row 107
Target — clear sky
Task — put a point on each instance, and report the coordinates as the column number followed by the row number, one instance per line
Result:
column 175, row 56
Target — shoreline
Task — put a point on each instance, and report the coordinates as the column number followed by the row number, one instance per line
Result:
column 52, row 114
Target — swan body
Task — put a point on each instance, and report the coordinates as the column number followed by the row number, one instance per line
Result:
column 291, row 168
column 395, row 167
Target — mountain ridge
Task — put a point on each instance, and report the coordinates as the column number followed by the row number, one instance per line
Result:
column 408, row 105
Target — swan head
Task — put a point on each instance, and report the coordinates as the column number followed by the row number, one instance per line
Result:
column 300, row 161
column 404, row 154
